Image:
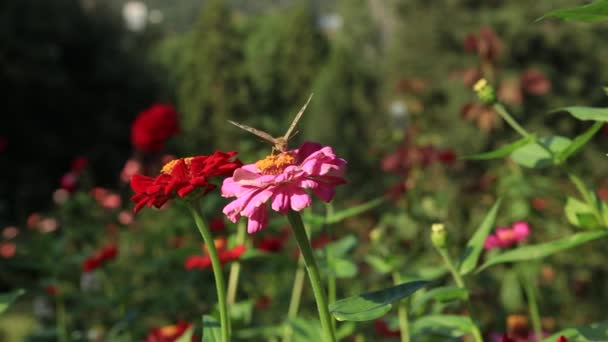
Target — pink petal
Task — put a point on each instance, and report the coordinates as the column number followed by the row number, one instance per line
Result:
column 521, row 230
column 491, row 243
column 324, row 192
column 257, row 200
column 280, row 202
column 258, row 220
column 306, row 149
column 299, row 199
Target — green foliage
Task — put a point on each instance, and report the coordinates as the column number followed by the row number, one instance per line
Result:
column 6, row 299
column 474, row 247
column 211, row 330
column 595, row 11
column 541, row 153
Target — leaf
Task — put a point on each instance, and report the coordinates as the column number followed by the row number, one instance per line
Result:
column 534, row 155
column 586, row 113
column 544, row 249
column 342, row 268
column 579, row 142
column 379, row 264
column 356, row 210
column 593, row 332
column 579, row 214
column 502, row 151
column 6, row 299
column 211, row 329
column 305, row 330
column 441, row 294
column 187, row 335
column 372, row 305
column 471, row 254
column 447, row 325
column 595, row 11
column 341, row 247
column 511, row 296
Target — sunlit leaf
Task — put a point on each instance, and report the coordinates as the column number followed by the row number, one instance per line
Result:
column 579, row 214
column 6, row 299
column 372, row 305
column 342, row 268
column 380, row 265
column 510, row 291
column 544, row 249
column 579, row 142
column 471, row 254
column 187, row 335
column 353, row 211
column 593, row 332
column 586, row 113
column 305, row 330
column 342, row 246
column 595, row 11
column 501, row 152
column 442, row 295
column 211, row 329
column 446, row 325
column 534, row 155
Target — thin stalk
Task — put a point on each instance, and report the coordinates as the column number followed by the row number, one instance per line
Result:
column 587, row 196
column 299, row 231
column 294, row 302
column 331, row 279
column 62, row 326
column 460, row 283
column 500, row 109
column 404, row 323
column 220, row 286
column 532, row 305
column 235, row 267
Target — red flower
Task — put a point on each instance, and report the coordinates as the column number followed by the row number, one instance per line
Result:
column 153, row 127
column 562, row 339
column 535, row 83
column 180, row 177
column 217, row 225
column 51, row 290
column 383, row 329
column 168, row 333
column 204, row 261
column 79, row 164
column 99, row 258
column 270, row 244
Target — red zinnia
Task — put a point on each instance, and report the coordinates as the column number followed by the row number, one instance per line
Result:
column 100, row 258
column 168, row 333
column 153, row 127
column 204, row 261
column 180, row 177
column 383, row 329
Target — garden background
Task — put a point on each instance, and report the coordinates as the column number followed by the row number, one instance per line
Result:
column 392, row 84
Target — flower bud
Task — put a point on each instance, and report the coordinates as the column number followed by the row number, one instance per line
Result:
column 439, row 235
column 485, row 92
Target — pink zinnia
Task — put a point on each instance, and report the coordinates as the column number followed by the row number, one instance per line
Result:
column 508, row 236
column 282, row 179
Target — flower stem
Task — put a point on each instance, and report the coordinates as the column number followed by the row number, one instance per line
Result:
column 235, row 267
column 460, row 283
column 532, row 305
column 331, row 278
column 220, row 286
column 404, row 323
column 509, row 119
column 62, row 329
column 297, row 227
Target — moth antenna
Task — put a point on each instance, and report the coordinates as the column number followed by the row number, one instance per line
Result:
column 297, row 118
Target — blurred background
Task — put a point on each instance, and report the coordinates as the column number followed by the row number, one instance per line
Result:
column 392, row 94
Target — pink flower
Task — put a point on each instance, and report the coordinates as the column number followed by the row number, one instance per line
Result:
column 508, row 236
column 282, row 179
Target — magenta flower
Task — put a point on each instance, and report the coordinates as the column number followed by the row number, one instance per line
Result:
column 508, row 236
column 282, row 179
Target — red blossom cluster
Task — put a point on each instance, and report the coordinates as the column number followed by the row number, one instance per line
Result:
column 169, row 333
column 69, row 181
column 153, row 127
column 383, row 330
column 181, row 177
column 272, row 243
column 225, row 255
column 99, row 258
column 106, row 198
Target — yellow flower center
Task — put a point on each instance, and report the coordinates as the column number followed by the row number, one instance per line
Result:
column 274, row 164
column 168, row 330
column 168, row 168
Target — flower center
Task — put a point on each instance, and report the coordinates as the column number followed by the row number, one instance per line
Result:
column 168, row 330
column 274, row 164
column 168, row 168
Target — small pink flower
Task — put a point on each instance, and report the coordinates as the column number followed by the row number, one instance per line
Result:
column 282, row 179
column 7, row 249
column 508, row 236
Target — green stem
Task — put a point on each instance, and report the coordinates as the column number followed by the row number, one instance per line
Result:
column 587, row 196
column 500, row 109
column 294, row 302
column 532, row 305
column 62, row 326
column 235, row 267
column 460, row 283
column 297, row 227
column 220, row 286
column 331, row 279
column 404, row 323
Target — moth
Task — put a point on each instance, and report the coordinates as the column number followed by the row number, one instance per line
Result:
column 280, row 143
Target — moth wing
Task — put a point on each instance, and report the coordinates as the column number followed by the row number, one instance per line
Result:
column 257, row 132
column 296, row 119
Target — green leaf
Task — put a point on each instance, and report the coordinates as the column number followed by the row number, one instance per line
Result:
column 534, row 155
column 379, row 264
column 595, row 11
column 6, row 299
column 511, row 296
column 579, row 214
column 593, row 332
column 446, row 325
column 341, row 247
column 305, row 330
column 471, row 254
column 586, row 113
column 502, row 151
column 442, row 295
column 187, row 335
column 544, row 249
column 344, row 214
column 372, row 305
column 342, row 268
column 211, row 329
column 579, row 142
